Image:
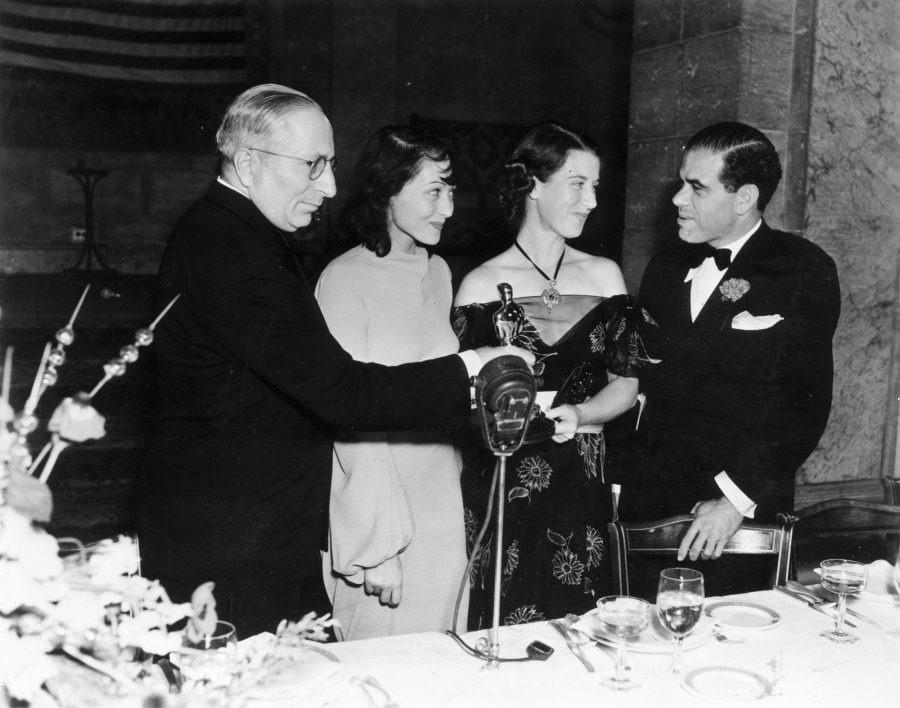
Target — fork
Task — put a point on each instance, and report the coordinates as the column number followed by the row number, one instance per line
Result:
column 567, row 635
column 723, row 638
column 801, row 589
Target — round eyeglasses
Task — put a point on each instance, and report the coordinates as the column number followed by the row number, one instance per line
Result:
column 316, row 167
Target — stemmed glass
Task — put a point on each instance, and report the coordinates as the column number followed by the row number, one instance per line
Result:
column 842, row 577
column 623, row 617
column 678, row 603
column 209, row 661
column 897, row 573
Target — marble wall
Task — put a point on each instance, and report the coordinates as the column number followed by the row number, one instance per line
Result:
column 853, row 211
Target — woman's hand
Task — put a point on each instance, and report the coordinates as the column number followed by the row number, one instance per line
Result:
column 385, row 581
column 568, row 419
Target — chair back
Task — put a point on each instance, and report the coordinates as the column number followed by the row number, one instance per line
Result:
column 837, row 528
column 891, row 487
column 663, row 537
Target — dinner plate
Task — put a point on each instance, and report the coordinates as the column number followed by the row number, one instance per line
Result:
column 742, row 615
column 306, row 672
column 656, row 639
column 726, row 684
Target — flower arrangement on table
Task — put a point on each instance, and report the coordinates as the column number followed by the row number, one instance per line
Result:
column 83, row 628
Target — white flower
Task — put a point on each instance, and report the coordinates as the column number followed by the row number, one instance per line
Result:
column 567, row 568
column 144, row 631
column 524, row 615
column 25, row 666
column 595, row 546
column 112, row 559
column 35, row 549
column 734, row 289
column 534, row 473
column 76, row 421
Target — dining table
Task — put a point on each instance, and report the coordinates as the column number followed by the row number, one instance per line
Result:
column 779, row 661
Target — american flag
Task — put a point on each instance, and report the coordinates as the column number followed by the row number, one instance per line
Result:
column 174, row 42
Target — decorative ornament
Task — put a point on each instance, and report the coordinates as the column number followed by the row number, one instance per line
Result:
column 550, row 295
column 734, row 289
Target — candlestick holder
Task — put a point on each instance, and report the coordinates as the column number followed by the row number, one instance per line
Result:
column 88, row 178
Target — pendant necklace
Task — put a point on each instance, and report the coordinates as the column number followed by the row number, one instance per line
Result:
column 550, row 295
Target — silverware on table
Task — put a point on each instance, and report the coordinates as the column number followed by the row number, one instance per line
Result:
column 607, row 649
column 724, row 638
column 564, row 630
column 813, row 601
column 801, row 589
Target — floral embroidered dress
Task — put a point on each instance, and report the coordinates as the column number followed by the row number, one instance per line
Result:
column 558, row 500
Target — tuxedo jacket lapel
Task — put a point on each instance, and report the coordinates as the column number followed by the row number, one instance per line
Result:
column 718, row 310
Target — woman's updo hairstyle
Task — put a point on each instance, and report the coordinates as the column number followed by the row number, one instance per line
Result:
column 391, row 158
column 539, row 154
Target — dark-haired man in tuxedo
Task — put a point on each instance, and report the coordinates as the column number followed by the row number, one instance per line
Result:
column 742, row 393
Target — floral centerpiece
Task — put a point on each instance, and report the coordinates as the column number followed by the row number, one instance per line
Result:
column 80, row 626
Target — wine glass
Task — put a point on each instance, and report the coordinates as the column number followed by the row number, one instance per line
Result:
column 897, row 573
column 842, row 577
column 678, row 602
column 623, row 617
column 209, row 660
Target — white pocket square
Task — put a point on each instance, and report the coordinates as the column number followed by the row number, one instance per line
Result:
column 746, row 321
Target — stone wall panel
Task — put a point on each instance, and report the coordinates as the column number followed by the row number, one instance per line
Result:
column 656, row 22
column 711, row 81
column 655, row 88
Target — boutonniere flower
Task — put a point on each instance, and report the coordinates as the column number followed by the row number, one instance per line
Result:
column 734, row 289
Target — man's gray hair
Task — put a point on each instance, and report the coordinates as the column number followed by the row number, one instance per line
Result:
column 251, row 116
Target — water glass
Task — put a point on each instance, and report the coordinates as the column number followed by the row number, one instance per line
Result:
column 622, row 617
column 679, row 600
column 209, row 661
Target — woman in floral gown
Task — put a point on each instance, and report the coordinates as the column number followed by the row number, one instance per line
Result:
column 582, row 328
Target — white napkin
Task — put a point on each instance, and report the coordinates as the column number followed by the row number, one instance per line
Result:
column 880, row 582
column 748, row 322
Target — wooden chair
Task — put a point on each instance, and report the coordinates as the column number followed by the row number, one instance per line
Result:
column 837, row 528
column 891, row 487
column 663, row 537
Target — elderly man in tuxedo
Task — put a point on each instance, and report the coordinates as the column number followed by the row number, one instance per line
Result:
column 742, row 392
column 250, row 381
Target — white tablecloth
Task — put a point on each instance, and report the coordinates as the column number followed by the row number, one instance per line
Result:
column 430, row 669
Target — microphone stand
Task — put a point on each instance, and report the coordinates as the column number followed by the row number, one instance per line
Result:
column 504, row 397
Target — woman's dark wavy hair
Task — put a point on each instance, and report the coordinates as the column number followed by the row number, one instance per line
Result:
column 748, row 157
column 389, row 160
column 540, row 153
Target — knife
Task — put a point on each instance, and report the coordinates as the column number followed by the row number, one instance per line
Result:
column 801, row 589
column 573, row 647
column 817, row 606
column 608, row 649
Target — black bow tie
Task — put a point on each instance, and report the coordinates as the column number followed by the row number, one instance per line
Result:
column 722, row 256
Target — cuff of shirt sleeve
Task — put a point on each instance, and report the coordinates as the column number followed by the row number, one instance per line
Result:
column 733, row 493
column 472, row 362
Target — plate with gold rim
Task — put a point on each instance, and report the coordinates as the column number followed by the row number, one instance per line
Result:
column 726, row 684
column 742, row 615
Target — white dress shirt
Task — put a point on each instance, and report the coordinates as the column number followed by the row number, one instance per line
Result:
column 704, row 279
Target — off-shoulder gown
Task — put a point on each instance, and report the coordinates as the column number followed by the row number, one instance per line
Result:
column 558, row 499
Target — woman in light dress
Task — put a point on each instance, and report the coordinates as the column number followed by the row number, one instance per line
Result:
column 397, row 547
column 582, row 328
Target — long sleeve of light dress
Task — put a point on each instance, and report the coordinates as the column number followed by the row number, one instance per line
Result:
column 370, row 518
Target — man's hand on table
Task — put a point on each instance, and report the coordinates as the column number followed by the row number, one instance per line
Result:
column 715, row 522
column 385, row 581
